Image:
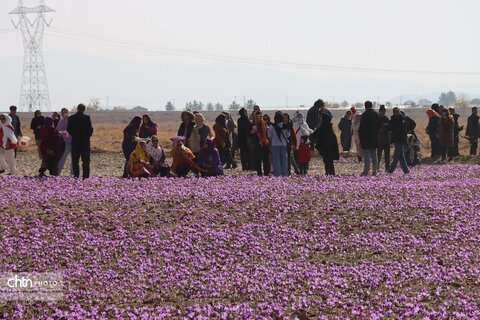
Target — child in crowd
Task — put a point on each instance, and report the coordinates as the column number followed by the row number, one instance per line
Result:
column 303, row 155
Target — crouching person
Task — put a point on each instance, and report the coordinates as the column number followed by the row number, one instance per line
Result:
column 138, row 165
column 208, row 160
column 182, row 156
column 157, row 158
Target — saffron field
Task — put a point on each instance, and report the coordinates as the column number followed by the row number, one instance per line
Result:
column 238, row 247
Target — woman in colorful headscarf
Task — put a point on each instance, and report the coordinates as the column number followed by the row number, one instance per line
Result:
column 156, row 156
column 138, row 165
column 8, row 144
column 222, row 141
column 208, row 159
column 148, row 127
column 128, row 145
column 182, row 157
column 52, row 147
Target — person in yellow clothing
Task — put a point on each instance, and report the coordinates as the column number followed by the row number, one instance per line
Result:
column 138, row 164
column 182, row 157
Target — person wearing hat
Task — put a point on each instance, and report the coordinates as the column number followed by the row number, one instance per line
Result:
column 356, row 135
column 369, row 128
column 384, row 138
column 301, row 128
column 345, row 127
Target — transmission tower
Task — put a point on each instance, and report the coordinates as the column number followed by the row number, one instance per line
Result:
column 34, row 88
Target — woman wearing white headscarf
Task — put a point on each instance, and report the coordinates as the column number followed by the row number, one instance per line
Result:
column 300, row 127
column 8, row 144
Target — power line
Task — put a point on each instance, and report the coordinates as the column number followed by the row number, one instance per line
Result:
column 149, row 47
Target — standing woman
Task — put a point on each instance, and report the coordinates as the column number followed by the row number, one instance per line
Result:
column 327, row 144
column 261, row 144
column 278, row 133
column 52, row 148
column 356, row 135
column 148, row 127
column 345, row 126
column 445, row 134
column 36, row 124
column 128, row 145
column 186, row 127
column 291, row 145
column 62, row 130
column 8, row 144
column 222, row 141
column 232, row 135
column 244, row 139
column 200, row 132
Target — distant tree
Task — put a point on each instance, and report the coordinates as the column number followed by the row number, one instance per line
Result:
column 210, row 106
column 475, row 102
column 189, row 106
column 250, row 104
column 425, row 103
column 94, row 104
column 345, row 104
column 119, row 108
column 169, row 106
column 410, row 103
column 447, row 99
column 218, row 106
column 462, row 101
column 234, row 106
column 359, row 105
column 388, row 104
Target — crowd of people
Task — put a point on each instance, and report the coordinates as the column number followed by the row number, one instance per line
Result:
column 281, row 147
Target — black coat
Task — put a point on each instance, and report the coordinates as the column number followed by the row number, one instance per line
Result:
column 37, row 121
column 384, row 136
column 345, row 127
column 369, row 128
column 399, row 127
column 326, row 139
column 243, row 126
column 473, row 126
column 181, row 130
column 313, row 117
column 17, row 125
column 80, row 127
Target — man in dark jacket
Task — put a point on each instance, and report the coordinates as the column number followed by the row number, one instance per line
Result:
column 473, row 131
column 243, row 124
column 399, row 128
column 368, row 132
column 17, row 126
column 36, row 124
column 80, row 128
column 326, row 140
column 384, row 138
column 313, row 120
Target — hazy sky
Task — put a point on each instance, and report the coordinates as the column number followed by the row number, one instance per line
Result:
column 187, row 48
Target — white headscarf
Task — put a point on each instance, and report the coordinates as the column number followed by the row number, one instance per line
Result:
column 8, row 133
